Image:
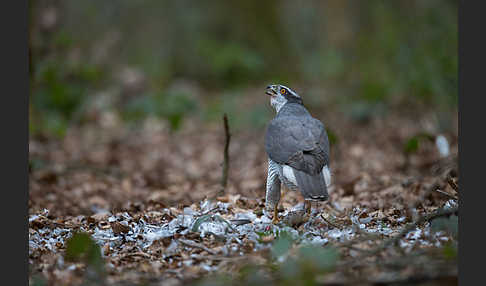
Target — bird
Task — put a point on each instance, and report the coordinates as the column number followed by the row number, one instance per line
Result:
column 298, row 153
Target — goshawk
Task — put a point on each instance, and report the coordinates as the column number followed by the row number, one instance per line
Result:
column 298, row 150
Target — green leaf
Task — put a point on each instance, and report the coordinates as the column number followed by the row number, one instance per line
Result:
column 450, row 251
column 81, row 247
column 412, row 145
column 281, row 246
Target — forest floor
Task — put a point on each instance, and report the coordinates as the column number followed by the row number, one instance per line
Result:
column 149, row 199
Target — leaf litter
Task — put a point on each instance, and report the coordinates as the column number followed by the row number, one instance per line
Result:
column 152, row 215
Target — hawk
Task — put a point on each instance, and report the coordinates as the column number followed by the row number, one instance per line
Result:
column 298, row 151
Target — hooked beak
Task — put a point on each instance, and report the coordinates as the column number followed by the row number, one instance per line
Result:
column 271, row 90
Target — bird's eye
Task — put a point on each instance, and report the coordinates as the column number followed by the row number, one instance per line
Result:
column 283, row 91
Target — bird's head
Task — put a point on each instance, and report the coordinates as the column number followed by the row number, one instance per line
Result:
column 280, row 95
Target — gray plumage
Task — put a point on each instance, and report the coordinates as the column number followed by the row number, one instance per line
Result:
column 295, row 139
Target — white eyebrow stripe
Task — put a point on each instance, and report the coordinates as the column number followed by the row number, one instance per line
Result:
column 290, row 90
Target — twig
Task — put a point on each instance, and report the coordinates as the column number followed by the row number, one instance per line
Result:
column 224, row 178
column 452, row 184
column 446, row 194
column 196, row 245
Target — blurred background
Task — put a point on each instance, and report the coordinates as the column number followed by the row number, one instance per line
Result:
column 127, row 100
column 193, row 60
column 127, row 97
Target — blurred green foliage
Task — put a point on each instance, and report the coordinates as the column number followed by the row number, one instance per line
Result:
column 172, row 105
column 411, row 50
column 82, row 248
column 60, row 93
column 239, row 116
column 413, row 143
column 282, row 245
column 303, row 267
column 369, row 53
column 450, row 250
column 231, row 62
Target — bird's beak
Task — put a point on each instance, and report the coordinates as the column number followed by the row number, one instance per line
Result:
column 271, row 90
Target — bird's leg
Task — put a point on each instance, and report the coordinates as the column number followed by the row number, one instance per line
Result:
column 308, row 207
column 275, row 219
column 272, row 196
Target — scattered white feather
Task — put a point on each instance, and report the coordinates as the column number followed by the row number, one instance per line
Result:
column 442, row 145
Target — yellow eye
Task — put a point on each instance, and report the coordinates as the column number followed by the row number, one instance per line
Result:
column 282, row 91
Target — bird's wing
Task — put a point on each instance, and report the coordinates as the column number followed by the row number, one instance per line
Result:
column 298, row 141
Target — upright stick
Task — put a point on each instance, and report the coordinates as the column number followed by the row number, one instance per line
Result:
column 224, row 178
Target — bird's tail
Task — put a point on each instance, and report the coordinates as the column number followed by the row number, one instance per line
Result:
column 313, row 187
